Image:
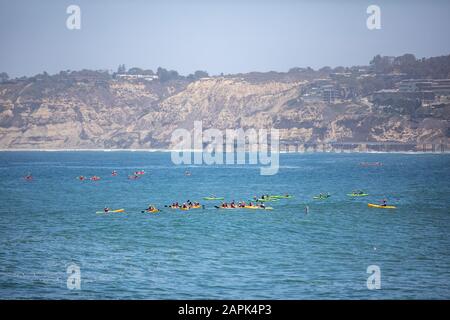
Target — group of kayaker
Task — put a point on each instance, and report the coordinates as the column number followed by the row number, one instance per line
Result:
column 186, row 205
column 136, row 175
column 93, row 178
column 241, row 204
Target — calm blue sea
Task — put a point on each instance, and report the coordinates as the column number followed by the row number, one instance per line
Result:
column 49, row 223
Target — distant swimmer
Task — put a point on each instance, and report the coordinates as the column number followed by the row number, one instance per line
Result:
column 306, row 210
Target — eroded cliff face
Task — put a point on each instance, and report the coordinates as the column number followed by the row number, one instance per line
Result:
column 118, row 114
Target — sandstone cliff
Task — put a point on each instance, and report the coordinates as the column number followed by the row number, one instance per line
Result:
column 107, row 113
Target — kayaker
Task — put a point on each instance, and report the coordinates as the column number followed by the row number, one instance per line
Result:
column 262, row 205
column 384, row 203
column 306, row 209
column 106, row 209
column 114, row 173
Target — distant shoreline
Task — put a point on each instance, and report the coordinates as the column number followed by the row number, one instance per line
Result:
column 195, row 150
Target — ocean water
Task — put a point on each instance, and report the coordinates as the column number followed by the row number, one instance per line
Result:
column 50, row 223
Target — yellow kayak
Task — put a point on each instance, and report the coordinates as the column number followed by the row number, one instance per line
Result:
column 189, row 208
column 111, row 211
column 371, row 205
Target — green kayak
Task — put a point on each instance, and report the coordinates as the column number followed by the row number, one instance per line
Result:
column 281, row 197
column 357, row 194
column 213, row 198
column 266, row 199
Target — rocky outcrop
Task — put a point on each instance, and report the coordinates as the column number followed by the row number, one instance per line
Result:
column 118, row 114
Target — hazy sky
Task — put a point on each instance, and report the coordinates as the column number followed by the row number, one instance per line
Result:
column 214, row 35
